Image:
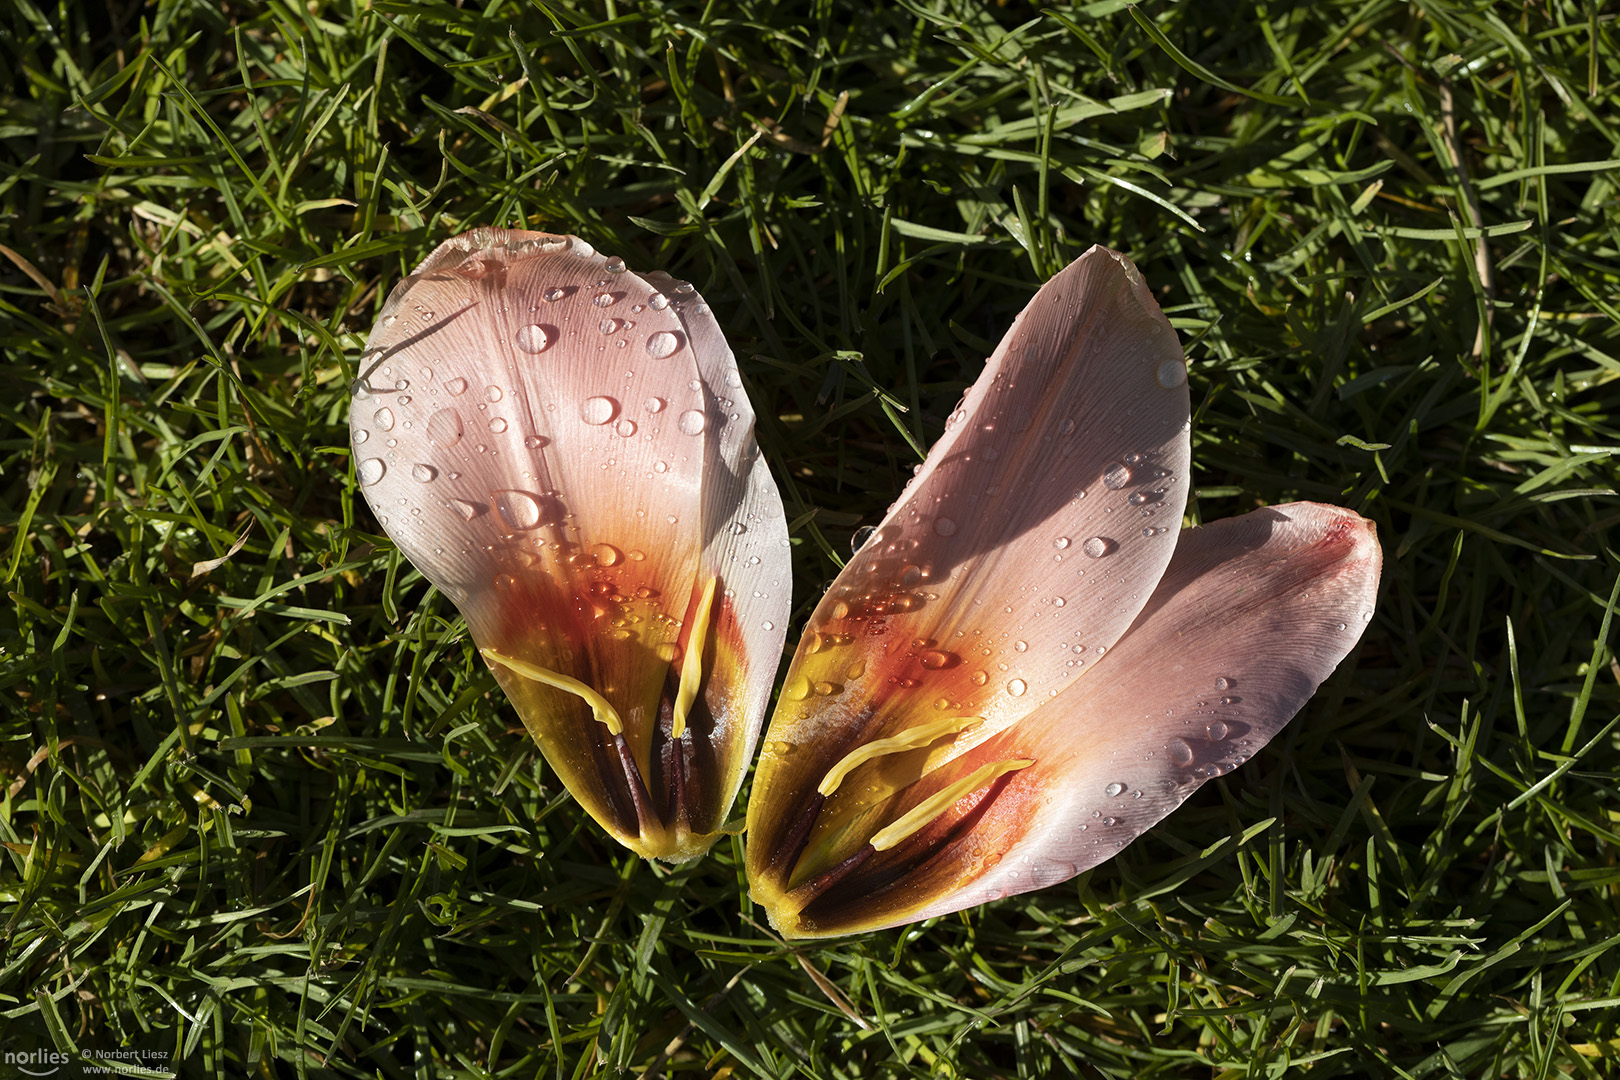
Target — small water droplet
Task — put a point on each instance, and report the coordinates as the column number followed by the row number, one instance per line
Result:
column 1224, row 683
column 1172, row 373
column 603, row 299
column 1116, row 476
column 598, row 410
column 606, row 554
column 693, row 422
column 532, row 338
column 424, row 473
column 1096, row 547
column 1114, row 790
column 534, row 442
column 497, row 425
column 1341, row 626
column 610, row 326
column 1061, row 542
column 456, row 387
column 1017, row 687
column 615, row 265
column 626, row 428
column 979, row 678
column 662, row 344
column 658, row 301
column 384, row 419
column 1020, row 646
column 654, row 405
column 518, row 509
column 1217, row 730
column 933, row 659
column 1181, row 752
column 444, row 428
column 553, row 294
column 361, row 435
column 493, row 393
column 371, row 470
column 944, row 526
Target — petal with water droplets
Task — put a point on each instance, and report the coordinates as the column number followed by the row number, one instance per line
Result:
column 518, row 434
column 995, row 599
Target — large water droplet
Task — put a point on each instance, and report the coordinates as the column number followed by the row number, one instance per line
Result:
column 615, row 265
column 1218, row 730
column 444, row 428
column 1061, row 542
column 553, row 294
column 1181, row 753
column 497, row 425
column 361, row 435
column 467, row 510
column 518, row 509
column 603, row 299
column 1116, row 476
column 598, row 410
column 384, row 419
column 859, row 538
column 662, row 344
column 944, row 526
column 494, row 393
column 606, row 554
column 1172, row 373
column 371, row 470
column 532, row 338
column 1222, row 682
column 610, row 326
column 456, row 387
column 626, row 428
column 424, row 473
column 1097, row 547
column 1017, row 687
column 654, row 405
column 1114, row 790
column 693, row 422
column 933, row 659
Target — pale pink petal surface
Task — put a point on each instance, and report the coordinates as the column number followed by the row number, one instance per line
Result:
column 539, row 430
column 998, row 727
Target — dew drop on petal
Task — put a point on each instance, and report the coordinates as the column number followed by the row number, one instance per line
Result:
column 1061, row 542
column 497, row 425
column 424, row 473
column 384, row 419
column 518, row 509
column 979, row 678
column 658, row 301
column 1172, row 373
column 1114, row 790
column 361, row 435
column 1096, row 547
column 654, row 405
column 626, row 428
column 1181, row 752
column 662, row 344
column 693, row 422
column 944, row 526
column 1222, row 682
column 598, row 410
column 553, row 294
column 532, row 338
column 1116, row 476
column 494, row 393
column 605, row 554
column 603, row 299
column 1017, row 687
column 933, row 659
column 444, row 428
column 1217, row 730
column 371, row 470
column 467, row 510
column 534, row 442
column 456, row 387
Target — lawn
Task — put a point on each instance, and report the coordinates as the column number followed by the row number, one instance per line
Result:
column 264, row 811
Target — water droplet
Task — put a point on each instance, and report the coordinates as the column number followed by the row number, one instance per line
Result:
column 1096, row 547
column 424, row 473
column 1058, row 601
column 1114, row 790
column 625, row 428
column 497, row 425
column 384, row 419
column 1217, row 730
column 456, row 387
column 1017, row 687
column 371, row 470
column 1172, row 373
column 1110, row 820
column 615, row 265
column 933, row 659
column 944, row 526
column 610, row 326
column 654, row 404
column 662, row 344
column 493, row 393
column 598, row 410
column 603, row 299
column 1061, row 542
column 1116, row 476
column 1224, row 683
column 1181, row 752
column 978, row 678
column 1020, row 646
column 361, row 435
column 518, row 509
column 553, row 294
column 532, row 338
column 534, row 442
column 693, row 422
column 444, row 428
column 658, row 301
column 1341, row 626
column 606, row 554
column 467, row 510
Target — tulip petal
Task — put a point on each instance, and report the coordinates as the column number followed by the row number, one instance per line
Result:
column 541, row 432
column 1029, row 541
column 1252, row 615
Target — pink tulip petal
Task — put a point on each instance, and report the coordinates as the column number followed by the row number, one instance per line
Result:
column 1030, row 539
column 536, row 428
column 1251, row 616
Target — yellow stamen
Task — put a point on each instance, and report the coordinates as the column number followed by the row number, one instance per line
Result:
column 935, row 804
column 692, row 661
column 600, row 708
column 912, row 738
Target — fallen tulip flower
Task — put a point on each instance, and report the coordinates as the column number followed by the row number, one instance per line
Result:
column 1030, row 663
column 565, row 450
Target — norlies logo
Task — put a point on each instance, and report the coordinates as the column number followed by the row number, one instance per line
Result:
column 43, row 1063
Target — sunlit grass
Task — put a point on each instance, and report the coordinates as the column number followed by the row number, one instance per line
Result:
column 269, row 815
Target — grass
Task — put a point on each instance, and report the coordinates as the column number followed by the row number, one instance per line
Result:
column 264, row 814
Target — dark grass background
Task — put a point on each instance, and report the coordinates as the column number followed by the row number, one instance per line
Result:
column 269, row 817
